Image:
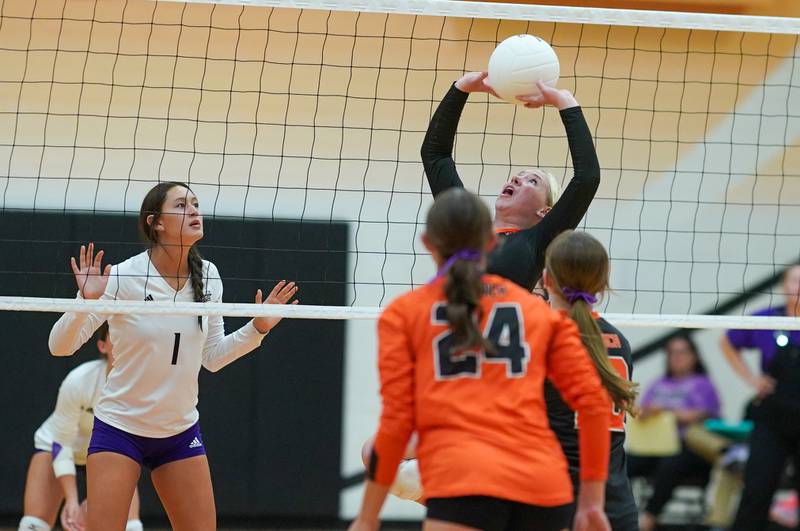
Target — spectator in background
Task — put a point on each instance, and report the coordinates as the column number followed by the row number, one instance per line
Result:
column 776, row 434
column 687, row 392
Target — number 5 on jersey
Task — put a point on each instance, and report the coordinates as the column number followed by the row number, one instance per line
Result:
column 504, row 328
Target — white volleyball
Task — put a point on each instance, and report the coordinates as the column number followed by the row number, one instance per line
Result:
column 518, row 62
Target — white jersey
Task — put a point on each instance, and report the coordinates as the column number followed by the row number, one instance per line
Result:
column 151, row 390
column 70, row 424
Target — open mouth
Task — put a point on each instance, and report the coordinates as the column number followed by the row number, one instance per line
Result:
column 508, row 191
column 196, row 224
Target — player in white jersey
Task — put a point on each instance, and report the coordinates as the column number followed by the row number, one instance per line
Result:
column 61, row 443
column 147, row 412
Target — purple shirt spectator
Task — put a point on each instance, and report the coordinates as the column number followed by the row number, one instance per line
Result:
column 694, row 392
column 763, row 340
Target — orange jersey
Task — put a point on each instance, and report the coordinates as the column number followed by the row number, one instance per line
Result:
column 481, row 417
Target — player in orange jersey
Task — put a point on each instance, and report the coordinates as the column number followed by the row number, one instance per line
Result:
column 576, row 271
column 462, row 362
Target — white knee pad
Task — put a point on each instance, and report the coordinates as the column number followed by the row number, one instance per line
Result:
column 31, row 523
column 134, row 525
column 407, row 484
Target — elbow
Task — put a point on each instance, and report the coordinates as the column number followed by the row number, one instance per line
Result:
column 426, row 153
column 59, row 350
column 593, row 174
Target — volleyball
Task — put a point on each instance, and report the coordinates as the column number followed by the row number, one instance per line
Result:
column 518, row 63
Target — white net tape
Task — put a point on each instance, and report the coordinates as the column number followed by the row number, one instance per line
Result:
column 38, row 304
column 577, row 15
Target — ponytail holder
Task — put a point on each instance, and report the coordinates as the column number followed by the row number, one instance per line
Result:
column 573, row 295
column 470, row 255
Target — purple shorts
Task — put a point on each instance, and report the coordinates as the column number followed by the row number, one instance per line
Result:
column 151, row 452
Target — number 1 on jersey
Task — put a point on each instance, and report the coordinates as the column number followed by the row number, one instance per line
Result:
column 175, row 347
column 503, row 328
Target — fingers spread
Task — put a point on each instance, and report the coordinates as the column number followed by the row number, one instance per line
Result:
column 276, row 289
column 287, row 292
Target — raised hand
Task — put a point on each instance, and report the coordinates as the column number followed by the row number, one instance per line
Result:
column 282, row 293
column 92, row 279
column 475, row 82
column 559, row 98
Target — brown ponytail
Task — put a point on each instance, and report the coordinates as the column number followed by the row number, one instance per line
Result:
column 577, row 261
column 463, row 290
column 459, row 227
column 622, row 391
column 196, row 277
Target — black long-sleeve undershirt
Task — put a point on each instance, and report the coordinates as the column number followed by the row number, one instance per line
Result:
column 519, row 256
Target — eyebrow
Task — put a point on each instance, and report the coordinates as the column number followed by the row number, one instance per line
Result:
column 186, row 197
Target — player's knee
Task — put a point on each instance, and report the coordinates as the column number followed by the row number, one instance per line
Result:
column 134, row 525
column 31, row 523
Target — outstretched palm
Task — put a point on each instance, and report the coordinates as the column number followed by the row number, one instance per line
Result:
column 282, row 293
column 92, row 279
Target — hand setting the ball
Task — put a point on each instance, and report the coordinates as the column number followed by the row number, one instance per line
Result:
column 518, row 63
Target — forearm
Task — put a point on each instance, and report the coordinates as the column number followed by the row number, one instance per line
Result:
column 225, row 349
column 441, row 133
column 579, row 193
column 69, row 487
column 372, row 503
column 581, row 146
column 594, row 441
column 437, row 147
column 70, row 332
column 734, row 357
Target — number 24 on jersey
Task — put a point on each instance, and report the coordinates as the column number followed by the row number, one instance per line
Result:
column 504, row 328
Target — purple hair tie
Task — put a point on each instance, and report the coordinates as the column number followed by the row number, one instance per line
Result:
column 573, row 295
column 471, row 255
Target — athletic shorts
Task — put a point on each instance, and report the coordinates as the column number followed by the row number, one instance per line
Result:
column 496, row 514
column 151, row 452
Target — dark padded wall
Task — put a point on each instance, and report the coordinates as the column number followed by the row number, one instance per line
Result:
column 271, row 421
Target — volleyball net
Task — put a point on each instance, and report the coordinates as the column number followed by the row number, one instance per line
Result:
column 299, row 124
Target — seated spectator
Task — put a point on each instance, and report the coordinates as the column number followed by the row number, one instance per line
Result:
column 687, row 392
